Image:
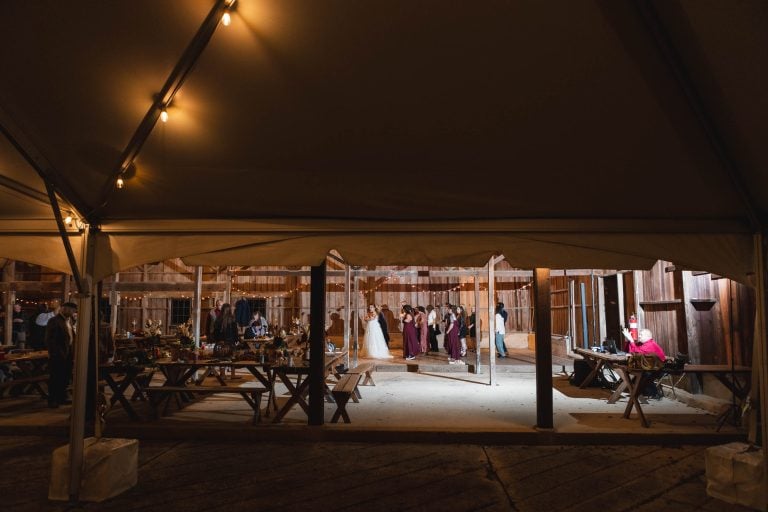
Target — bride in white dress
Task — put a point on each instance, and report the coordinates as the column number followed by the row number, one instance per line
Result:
column 374, row 345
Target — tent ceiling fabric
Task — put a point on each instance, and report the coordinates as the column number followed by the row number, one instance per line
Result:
column 394, row 111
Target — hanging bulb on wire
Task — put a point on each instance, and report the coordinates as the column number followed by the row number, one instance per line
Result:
column 226, row 19
column 164, row 116
column 120, row 183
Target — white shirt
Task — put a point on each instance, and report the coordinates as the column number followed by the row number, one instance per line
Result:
column 499, row 324
column 431, row 318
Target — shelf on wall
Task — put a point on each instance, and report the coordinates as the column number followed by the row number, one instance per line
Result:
column 703, row 300
column 660, row 302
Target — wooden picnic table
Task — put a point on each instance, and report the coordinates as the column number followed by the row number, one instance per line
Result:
column 300, row 389
column 728, row 377
column 178, row 374
column 598, row 360
column 32, row 371
column 120, row 378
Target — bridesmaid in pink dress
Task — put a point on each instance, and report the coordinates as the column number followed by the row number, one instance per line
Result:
column 421, row 322
column 410, row 340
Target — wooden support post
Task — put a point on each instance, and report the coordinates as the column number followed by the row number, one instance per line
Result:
column 478, row 330
column 9, row 274
column 584, row 325
column 637, row 280
column 601, row 308
column 114, row 303
column 622, row 303
column 347, row 311
column 572, row 311
column 492, row 322
column 66, row 287
column 544, row 411
column 356, row 317
column 228, row 288
column 196, row 300
column 317, row 345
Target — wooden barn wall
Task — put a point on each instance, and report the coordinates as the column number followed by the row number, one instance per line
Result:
column 709, row 318
column 695, row 313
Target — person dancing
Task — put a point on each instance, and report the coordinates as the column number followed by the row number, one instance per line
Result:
column 411, row 346
column 452, row 338
column 374, row 344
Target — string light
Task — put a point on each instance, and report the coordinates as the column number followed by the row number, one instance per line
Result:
column 68, row 220
column 120, row 183
column 164, row 115
column 226, row 19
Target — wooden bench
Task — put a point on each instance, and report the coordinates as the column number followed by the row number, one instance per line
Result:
column 24, row 384
column 252, row 395
column 342, row 392
column 367, row 369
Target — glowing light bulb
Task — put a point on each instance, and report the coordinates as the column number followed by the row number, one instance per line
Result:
column 226, row 19
column 120, row 183
column 68, row 220
column 164, row 116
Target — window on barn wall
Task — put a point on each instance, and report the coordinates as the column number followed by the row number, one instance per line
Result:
column 259, row 305
column 105, row 310
column 181, row 311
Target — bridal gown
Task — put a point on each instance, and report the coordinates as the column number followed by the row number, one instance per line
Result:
column 374, row 345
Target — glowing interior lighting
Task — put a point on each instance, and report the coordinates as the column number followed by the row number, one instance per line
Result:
column 226, row 19
column 68, row 220
column 164, row 116
column 120, row 183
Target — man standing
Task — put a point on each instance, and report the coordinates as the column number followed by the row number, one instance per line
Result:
column 383, row 324
column 59, row 336
column 212, row 316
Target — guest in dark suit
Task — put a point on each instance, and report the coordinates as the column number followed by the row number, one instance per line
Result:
column 59, row 337
column 384, row 327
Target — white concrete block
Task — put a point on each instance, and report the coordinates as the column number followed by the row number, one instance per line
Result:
column 735, row 474
column 110, row 468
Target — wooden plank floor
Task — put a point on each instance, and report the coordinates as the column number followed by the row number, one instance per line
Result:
column 219, row 476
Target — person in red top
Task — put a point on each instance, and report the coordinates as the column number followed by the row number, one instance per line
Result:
column 645, row 344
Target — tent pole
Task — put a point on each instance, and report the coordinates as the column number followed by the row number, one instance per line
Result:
column 478, row 331
column 317, row 345
column 196, row 298
column 544, row 413
column 80, row 381
column 347, row 312
column 491, row 322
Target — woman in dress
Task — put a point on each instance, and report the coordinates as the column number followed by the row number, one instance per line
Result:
column 461, row 317
column 421, row 322
column 374, row 344
column 452, row 339
column 410, row 341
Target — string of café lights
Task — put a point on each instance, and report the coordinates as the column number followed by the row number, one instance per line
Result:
column 226, row 20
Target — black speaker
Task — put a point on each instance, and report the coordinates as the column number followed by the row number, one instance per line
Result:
column 581, row 371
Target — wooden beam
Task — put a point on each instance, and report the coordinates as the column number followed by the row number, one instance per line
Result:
column 478, row 330
column 317, row 346
column 544, row 409
column 492, row 322
column 152, row 287
column 347, row 311
column 31, row 286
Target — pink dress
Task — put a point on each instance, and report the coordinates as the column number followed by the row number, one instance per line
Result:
column 423, row 332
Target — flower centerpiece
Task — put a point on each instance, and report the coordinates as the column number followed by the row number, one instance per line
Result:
column 275, row 350
column 184, row 333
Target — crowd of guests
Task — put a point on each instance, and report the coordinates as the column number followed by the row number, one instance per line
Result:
column 422, row 325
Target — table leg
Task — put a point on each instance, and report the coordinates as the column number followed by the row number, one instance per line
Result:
column 118, row 392
column 596, row 366
column 297, row 397
column 636, row 387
